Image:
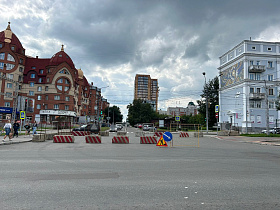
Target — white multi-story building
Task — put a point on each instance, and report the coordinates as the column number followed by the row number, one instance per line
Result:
column 191, row 109
column 249, row 79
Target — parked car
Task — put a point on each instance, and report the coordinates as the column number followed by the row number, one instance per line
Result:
column 148, row 128
column 113, row 128
column 93, row 128
column 273, row 131
column 119, row 127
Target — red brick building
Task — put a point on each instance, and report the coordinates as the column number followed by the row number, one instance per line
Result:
column 45, row 88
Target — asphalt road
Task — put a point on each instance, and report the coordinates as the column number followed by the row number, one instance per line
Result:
column 218, row 175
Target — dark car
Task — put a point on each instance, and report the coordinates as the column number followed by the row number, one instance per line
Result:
column 93, row 128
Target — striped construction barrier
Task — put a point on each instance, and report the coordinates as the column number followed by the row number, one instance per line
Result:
column 63, row 139
column 158, row 134
column 148, row 140
column 93, row 139
column 80, row 133
column 120, row 140
column 184, row 134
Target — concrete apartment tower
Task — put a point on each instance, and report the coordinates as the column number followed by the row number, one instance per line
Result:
column 146, row 89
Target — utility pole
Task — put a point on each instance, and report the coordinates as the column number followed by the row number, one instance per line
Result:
column 206, row 103
column 267, row 108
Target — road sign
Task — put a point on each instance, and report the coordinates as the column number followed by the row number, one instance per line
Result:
column 161, row 143
column 217, row 115
column 167, row 136
column 22, row 115
column 177, row 118
column 216, row 108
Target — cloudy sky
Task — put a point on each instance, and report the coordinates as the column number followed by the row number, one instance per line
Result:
column 174, row 41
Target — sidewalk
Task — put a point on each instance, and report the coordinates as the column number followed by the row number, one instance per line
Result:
column 273, row 141
column 16, row 140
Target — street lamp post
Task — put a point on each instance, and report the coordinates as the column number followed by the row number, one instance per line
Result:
column 98, row 101
column 203, row 73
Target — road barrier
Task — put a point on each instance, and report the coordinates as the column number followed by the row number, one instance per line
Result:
column 80, row 133
column 93, row 139
column 120, row 140
column 63, row 139
column 104, row 133
column 158, row 134
column 39, row 138
column 148, row 140
column 184, row 134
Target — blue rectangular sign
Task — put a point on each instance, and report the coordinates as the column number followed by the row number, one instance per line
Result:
column 7, row 110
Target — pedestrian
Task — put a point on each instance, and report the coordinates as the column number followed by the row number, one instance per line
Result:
column 34, row 127
column 7, row 128
column 27, row 127
column 16, row 127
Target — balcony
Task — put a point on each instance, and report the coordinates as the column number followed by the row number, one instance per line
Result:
column 257, row 96
column 256, row 68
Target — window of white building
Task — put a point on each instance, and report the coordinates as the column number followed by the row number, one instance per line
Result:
column 258, row 104
column 252, row 76
column 270, row 77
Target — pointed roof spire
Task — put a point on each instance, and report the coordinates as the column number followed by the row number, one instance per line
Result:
column 8, row 27
column 62, row 47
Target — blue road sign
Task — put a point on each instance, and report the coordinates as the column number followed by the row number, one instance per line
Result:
column 167, row 136
column 216, row 108
column 22, row 115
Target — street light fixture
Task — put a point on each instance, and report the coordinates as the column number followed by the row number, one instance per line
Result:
column 204, row 74
column 98, row 111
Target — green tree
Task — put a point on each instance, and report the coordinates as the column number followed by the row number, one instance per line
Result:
column 211, row 89
column 193, row 119
column 140, row 112
column 114, row 114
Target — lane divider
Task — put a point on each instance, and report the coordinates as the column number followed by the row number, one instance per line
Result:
column 93, row 139
column 120, row 140
column 184, row 134
column 63, row 139
column 80, row 133
column 158, row 134
column 148, row 140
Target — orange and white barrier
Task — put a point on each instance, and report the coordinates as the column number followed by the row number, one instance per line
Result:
column 184, row 134
column 148, row 140
column 93, row 139
column 63, row 139
column 80, row 133
column 158, row 134
column 120, row 140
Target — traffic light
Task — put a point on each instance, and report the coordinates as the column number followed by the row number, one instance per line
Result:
column 101, row 112
column 205, row 119
column 25, row 105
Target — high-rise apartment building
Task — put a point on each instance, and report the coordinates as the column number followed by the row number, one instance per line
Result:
column 249, row 80
column 146, row 89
